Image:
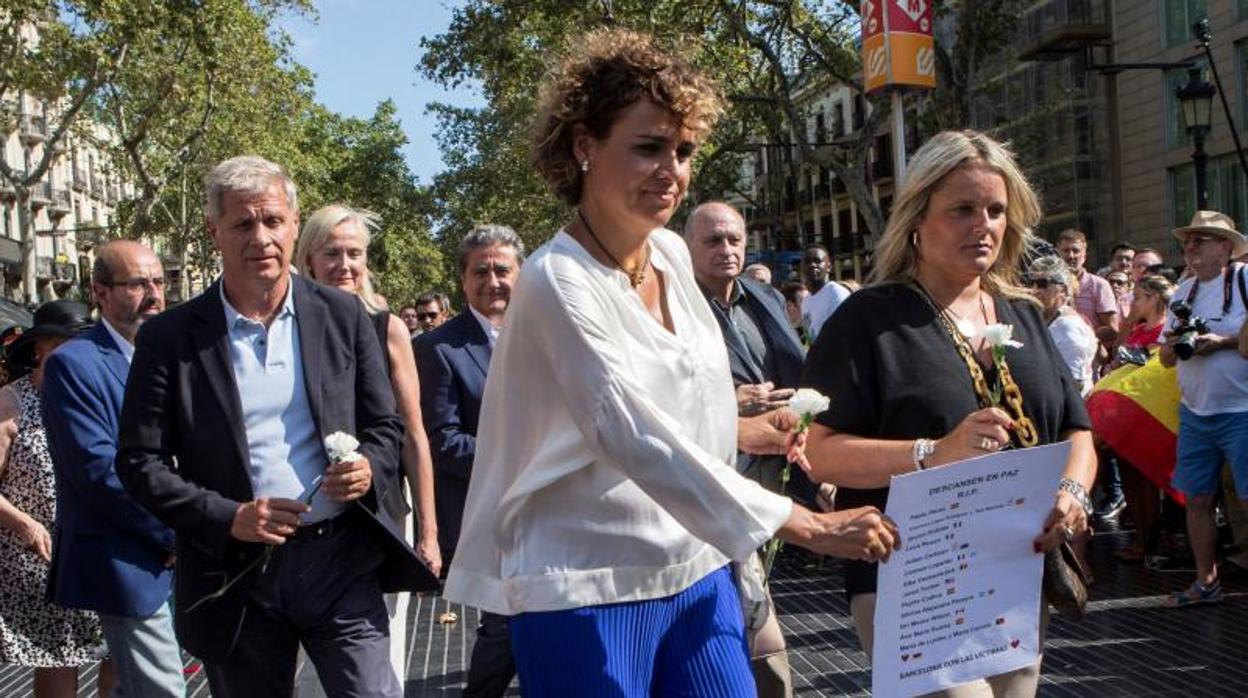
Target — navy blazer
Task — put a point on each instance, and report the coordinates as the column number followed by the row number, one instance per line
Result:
column 452, row 361
column 108, row 552
column 184, row 451
column 766, row 305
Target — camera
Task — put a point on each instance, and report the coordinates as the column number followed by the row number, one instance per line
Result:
column 1133, row 355
column 1188, row 326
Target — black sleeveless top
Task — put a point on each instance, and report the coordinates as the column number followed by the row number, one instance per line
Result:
column 381, row 323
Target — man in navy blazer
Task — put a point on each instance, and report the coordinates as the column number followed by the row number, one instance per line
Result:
column 222, row 437
column 453, row 361
column 110, row 555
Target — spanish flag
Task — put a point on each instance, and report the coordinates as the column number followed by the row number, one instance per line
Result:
column 1135, row 411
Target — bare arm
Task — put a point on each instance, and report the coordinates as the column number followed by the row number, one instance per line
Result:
column 417, row 462
column 1107, row 327
column 32, row 533
column 846, row 460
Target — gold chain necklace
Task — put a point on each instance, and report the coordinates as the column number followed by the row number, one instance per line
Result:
column 636, row 277
column 1024, row 428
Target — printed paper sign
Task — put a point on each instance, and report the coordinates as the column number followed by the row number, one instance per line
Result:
column 961, row 600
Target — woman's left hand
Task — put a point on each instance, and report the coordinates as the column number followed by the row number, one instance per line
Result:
column 429, row 553
column 1066, row 521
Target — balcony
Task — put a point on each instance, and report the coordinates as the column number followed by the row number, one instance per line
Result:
column 113, row 194
column 81, row 181
column 44, row 268
column 1059, row 28
column 7, row 192
column 41, row 194
column 60, row 204
column 97, row 185
column 64, row 273
column 34, row 129
column 86, row 238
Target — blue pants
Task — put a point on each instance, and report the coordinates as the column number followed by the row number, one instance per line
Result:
column 691, row 644
column 145, row 654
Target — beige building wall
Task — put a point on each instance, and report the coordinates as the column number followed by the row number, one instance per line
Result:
column 1149, row 155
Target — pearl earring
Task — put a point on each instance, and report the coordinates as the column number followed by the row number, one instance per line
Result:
column 585, row 165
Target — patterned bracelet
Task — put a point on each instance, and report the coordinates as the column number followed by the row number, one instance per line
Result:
column 1077, row 491
column 923, row 449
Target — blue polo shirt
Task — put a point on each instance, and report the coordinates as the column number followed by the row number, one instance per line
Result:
column 282, row 439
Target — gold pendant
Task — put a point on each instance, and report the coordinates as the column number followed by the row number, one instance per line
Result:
column 637, row 277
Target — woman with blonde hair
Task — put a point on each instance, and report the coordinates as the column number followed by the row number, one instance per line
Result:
column 1054, row 283
column 333, row 250
column 908, row 370
column 604, row 506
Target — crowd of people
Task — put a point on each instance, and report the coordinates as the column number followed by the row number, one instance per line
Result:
column 596, row 447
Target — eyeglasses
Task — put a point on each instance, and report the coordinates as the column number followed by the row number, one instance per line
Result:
column 1117, row 282
column 1040, row 284
column 426, row 316
column 137, row 284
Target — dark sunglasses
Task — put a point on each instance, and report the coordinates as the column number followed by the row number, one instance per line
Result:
column 426, row 316
column 1039, row 283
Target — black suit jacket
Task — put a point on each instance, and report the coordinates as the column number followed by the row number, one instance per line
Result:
column 452, row 361
column 766, row 305
column 183, row 449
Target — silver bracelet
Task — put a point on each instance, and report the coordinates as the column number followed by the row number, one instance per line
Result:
column 923, row 449
column 1077, row 491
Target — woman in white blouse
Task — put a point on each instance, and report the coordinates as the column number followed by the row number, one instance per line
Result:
column 604, row 508
column 1051, row 280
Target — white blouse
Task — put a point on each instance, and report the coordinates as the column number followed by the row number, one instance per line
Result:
column 1076, row 342
column 605, row 445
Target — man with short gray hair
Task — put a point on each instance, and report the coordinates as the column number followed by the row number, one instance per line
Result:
column 282, row 541
column 453, row 360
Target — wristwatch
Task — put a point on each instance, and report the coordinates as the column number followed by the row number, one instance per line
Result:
column 1077, row 491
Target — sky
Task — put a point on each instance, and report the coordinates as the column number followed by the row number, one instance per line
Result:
column 366, row 51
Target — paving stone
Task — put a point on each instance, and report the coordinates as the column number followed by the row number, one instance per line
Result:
column 1129, row 645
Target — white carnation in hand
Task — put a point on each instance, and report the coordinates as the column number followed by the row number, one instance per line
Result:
column 809, row 403
column 341, row 447
column 999, row 335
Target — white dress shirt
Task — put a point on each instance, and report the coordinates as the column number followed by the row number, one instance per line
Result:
column 605, row 445
column 491, row 330
column 124, row 345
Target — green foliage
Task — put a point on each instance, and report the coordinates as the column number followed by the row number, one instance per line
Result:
column 184, row 85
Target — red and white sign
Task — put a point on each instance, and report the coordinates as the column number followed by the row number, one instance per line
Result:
column 897, row 45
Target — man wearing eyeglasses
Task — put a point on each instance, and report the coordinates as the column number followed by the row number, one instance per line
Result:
column 1213, row 382
column 430, row 312
column 111, row 556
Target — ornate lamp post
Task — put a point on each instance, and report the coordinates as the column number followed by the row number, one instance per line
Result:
column 1197, row 100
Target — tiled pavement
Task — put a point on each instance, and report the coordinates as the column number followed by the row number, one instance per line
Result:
column 1128, row 645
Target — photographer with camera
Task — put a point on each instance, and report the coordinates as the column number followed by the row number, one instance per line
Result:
column 1208, row 315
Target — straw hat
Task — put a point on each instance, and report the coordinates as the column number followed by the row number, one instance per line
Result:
column 1219, row 224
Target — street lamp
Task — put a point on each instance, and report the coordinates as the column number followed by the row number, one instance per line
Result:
column 1196, row 97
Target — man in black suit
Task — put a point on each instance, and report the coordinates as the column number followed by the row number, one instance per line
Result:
column 229, row 401
column 765, row 357
column 453, row 360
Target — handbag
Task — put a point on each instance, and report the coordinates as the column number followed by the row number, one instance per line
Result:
column 1066, row 582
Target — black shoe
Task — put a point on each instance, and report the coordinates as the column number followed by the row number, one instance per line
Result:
column 1110, row 510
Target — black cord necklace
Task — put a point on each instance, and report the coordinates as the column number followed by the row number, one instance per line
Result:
column 636, row 277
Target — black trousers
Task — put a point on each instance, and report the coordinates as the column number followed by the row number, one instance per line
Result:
column 492, row 666
column 320, row 591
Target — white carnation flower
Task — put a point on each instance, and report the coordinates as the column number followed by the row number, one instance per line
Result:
column 999, row 335
column 808, row 402
column 341, row 447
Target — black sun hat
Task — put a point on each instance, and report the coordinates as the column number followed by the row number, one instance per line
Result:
column 61, row 318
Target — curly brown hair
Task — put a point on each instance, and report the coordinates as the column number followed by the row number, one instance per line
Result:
column 605, row 72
